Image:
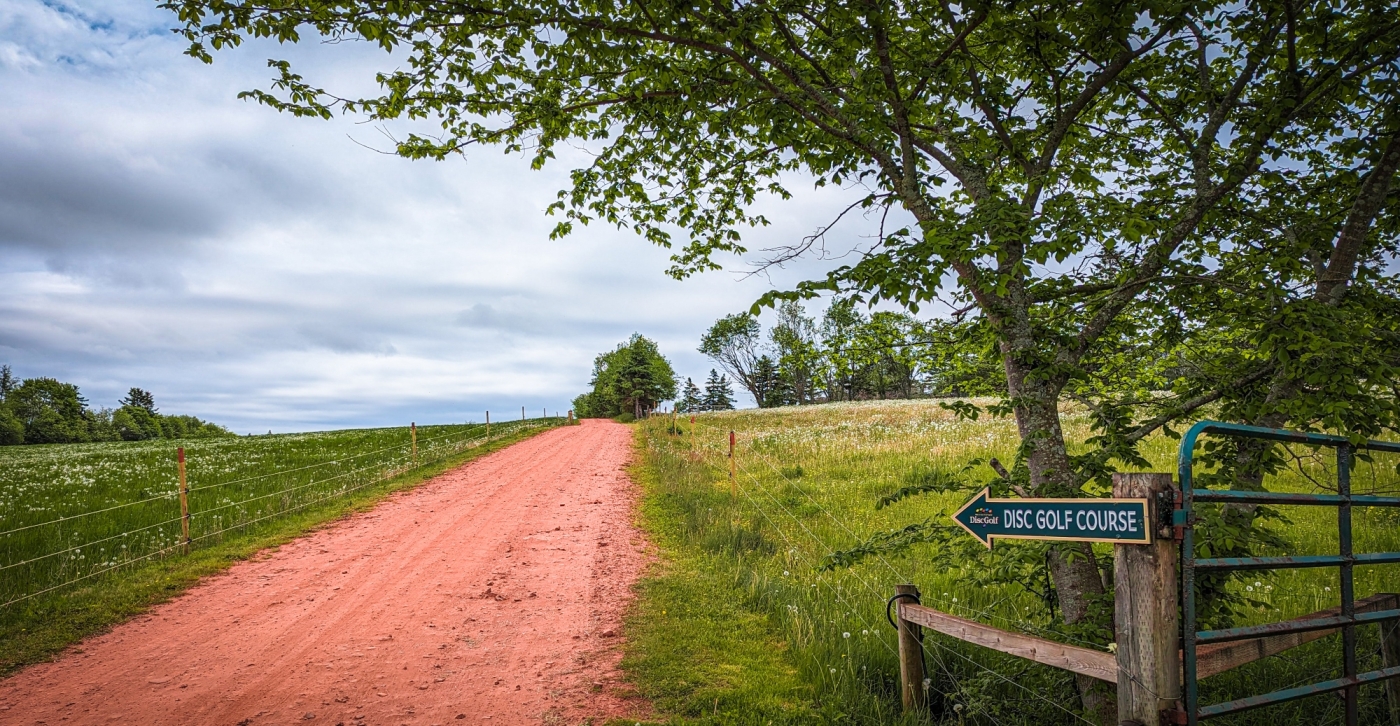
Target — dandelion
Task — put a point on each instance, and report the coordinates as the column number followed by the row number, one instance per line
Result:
column 865, row 632
column 1328, row 589
column 845, row 635
column 833, row 671
column 1249, row 588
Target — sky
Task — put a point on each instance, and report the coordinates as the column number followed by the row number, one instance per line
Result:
column 273, row 273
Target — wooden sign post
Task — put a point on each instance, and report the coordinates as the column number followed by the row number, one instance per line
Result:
column 1146, row 619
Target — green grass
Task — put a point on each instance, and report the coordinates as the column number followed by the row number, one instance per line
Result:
column 69, row 572
column 738, row 625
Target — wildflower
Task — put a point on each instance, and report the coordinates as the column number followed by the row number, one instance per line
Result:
column 865, row 632
column 845, row 635
column 833, row 671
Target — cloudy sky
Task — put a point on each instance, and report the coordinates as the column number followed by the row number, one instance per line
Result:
column 268, row 272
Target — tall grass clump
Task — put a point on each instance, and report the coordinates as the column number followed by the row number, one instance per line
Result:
column 818, row 481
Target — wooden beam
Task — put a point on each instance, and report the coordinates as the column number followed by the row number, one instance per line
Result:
column 1093, row 663
column 1217, row 658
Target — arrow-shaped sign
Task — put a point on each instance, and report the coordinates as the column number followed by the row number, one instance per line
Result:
column 1123, row 521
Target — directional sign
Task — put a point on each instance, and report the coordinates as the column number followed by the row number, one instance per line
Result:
column 1123, row 521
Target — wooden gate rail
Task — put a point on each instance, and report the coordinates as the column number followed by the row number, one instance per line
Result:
column 1217, row 658
column 1212, row 659
column 1084, row 661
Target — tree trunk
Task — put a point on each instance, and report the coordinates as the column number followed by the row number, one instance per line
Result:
column 1073, row 569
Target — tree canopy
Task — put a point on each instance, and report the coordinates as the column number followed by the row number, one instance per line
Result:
column 630, row 379
column 49, row 411
column 1105, row 185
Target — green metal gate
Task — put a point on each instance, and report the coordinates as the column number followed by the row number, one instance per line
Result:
column 1345, row 560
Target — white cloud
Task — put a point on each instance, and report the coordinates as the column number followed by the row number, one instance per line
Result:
column 271, row 272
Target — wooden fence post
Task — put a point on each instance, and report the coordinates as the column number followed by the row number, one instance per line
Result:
column 1146, row 620
column 911, row 656
column 522, row 414
column 1390, row 657
column 184, row 501
column 488, row 425
column 733, row 465
column 413, row 438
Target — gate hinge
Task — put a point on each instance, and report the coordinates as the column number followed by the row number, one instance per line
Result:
column 1171, row 520
column 1173, row 716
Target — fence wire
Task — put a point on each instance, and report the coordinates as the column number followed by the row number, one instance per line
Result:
column 82, row 546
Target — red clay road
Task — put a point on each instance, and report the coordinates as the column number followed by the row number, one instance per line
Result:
column 492, row 594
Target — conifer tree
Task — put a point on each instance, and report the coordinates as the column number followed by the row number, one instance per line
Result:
column 719, row 394
column 692, row 401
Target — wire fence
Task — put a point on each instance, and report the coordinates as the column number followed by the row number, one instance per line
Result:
column 72, row 514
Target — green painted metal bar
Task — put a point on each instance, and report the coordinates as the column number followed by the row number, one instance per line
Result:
column 1320, row 500
column 1284, row 435
column 1293, row 694
column 1351, row 693
column 1296, row 561
column 1295, row 626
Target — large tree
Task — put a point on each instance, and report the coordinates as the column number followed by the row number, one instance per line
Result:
column 735, row 342
column 630, row 379
column 1065, row 167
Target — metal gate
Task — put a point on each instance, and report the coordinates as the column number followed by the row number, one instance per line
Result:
column 1345, row 560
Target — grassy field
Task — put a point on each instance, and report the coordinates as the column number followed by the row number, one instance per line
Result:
column 738, row 624
column 90, row 533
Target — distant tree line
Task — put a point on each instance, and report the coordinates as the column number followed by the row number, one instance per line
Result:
column 850, row 355
column 49, row 411
column 628, row 381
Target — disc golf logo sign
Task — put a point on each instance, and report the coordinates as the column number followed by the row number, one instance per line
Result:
column 1121, row 521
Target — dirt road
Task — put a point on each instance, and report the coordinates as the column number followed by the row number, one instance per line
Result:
column 492, row 594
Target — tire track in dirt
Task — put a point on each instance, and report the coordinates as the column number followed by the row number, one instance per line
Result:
column 492, row 594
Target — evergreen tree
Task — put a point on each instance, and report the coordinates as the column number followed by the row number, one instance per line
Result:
column 137, row 419
column 692, row 401
column 138, row 398
column 719, row 394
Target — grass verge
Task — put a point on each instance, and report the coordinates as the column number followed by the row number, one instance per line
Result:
column 739, row 623
column 39, row 629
